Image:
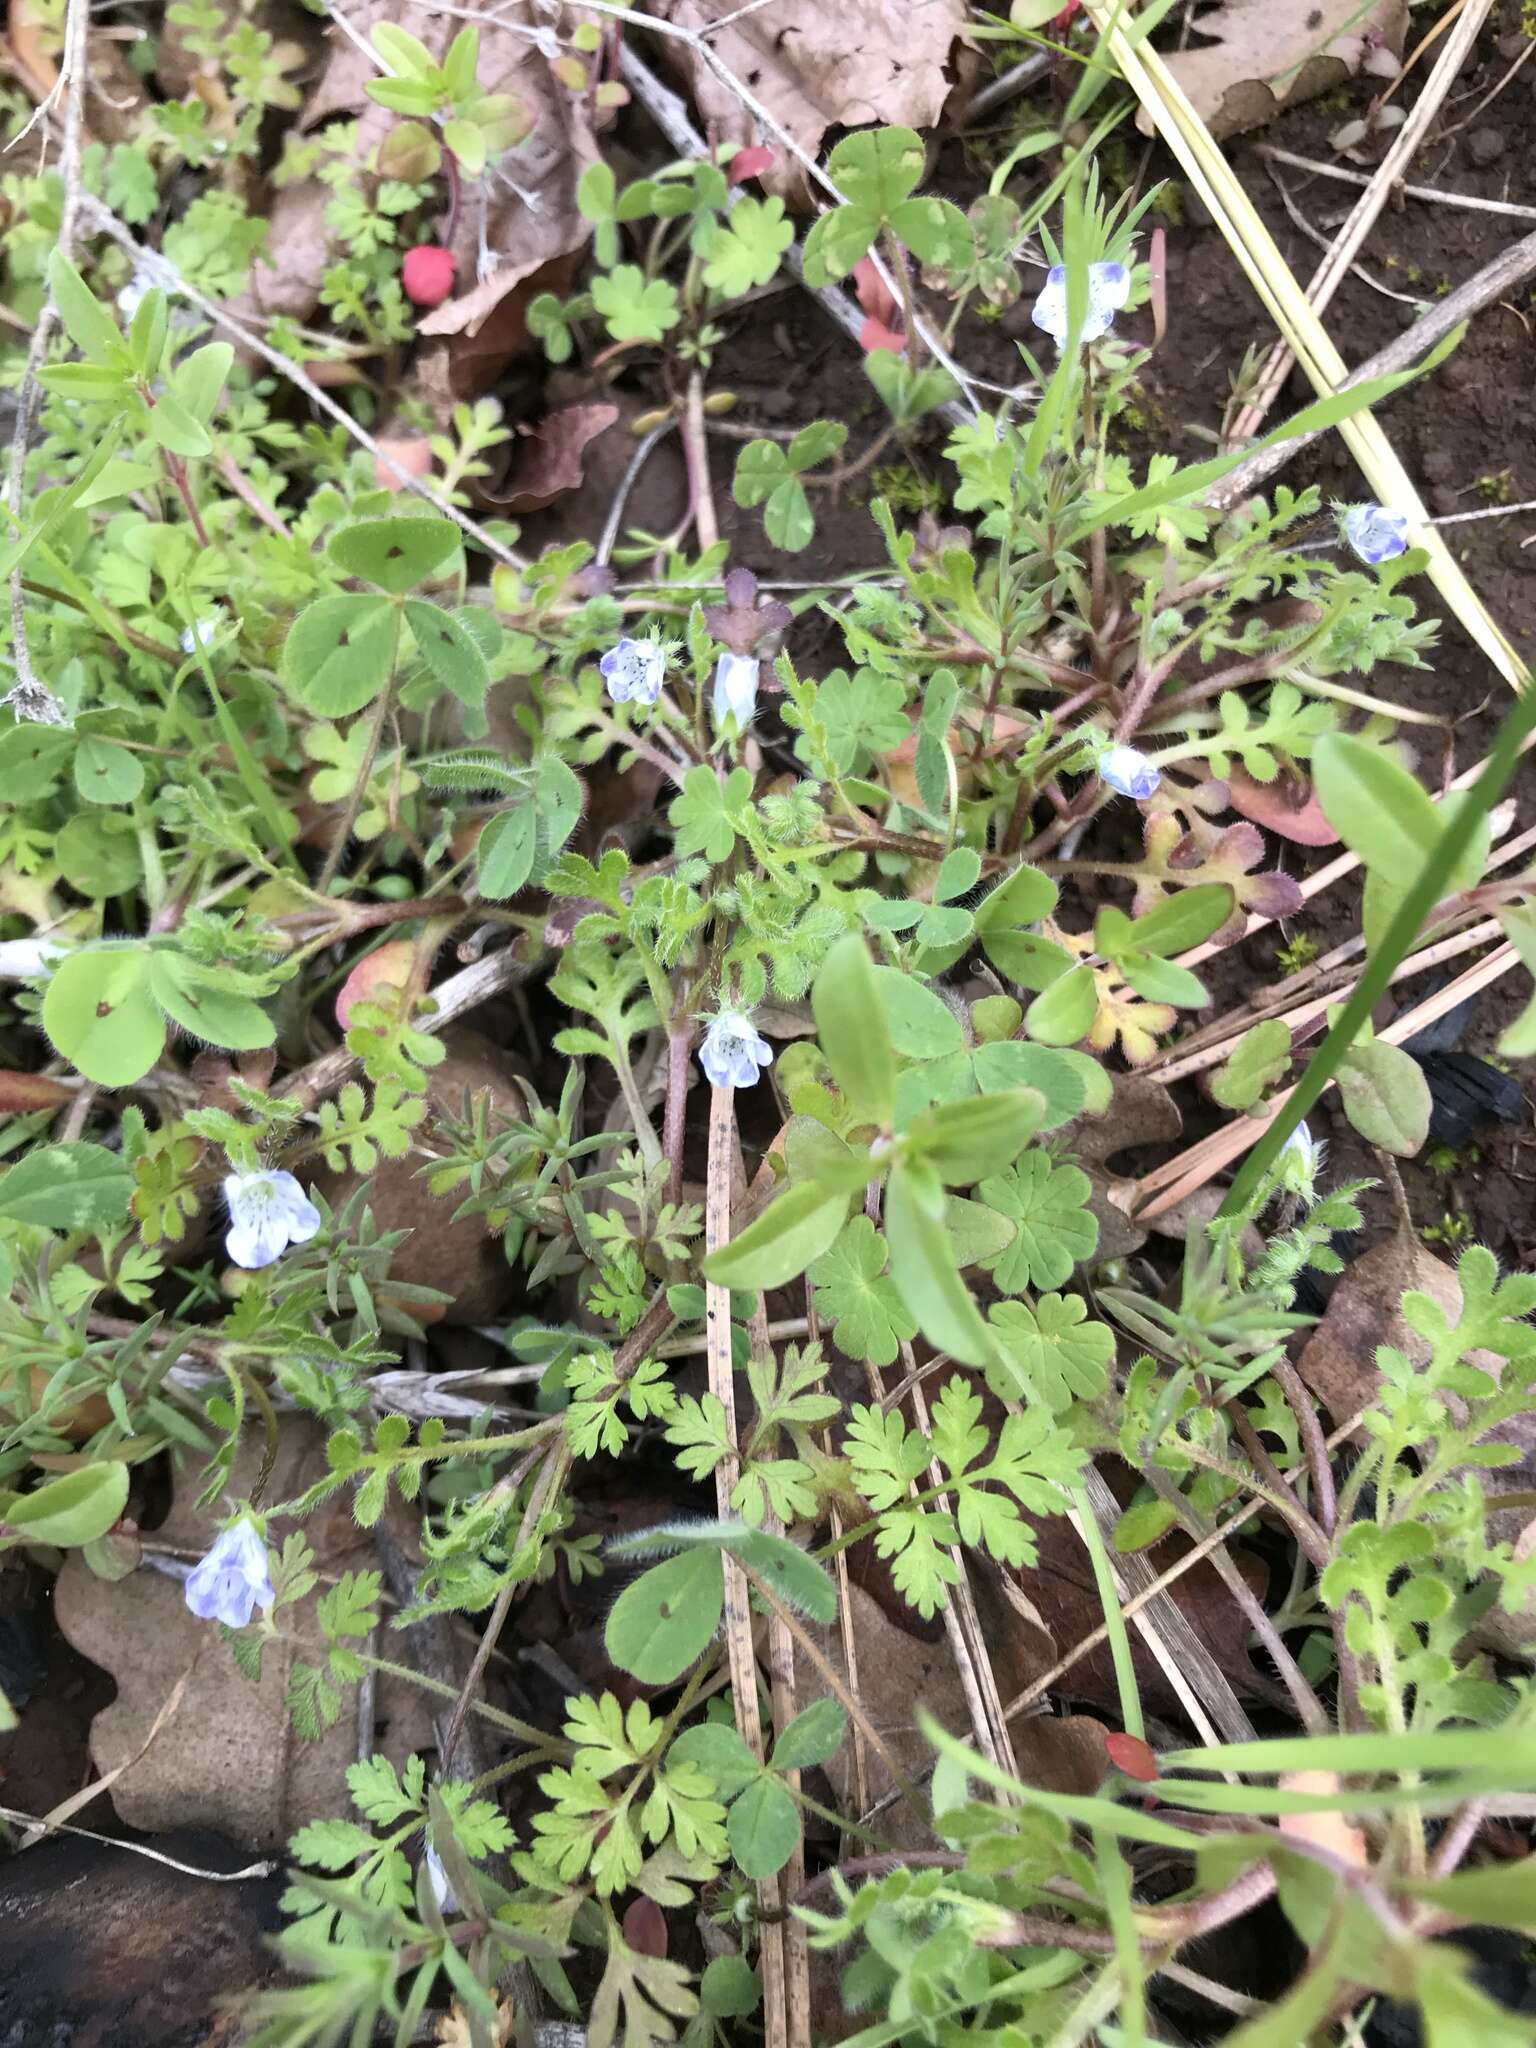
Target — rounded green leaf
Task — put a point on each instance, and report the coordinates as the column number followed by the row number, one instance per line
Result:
column 812, row 1736
column 763, row 1828
column 339, row 653
column 176, row 429
column 105, row 774
column 1062, row 1014
column 664, row 1621
column 1012, row 1063
column 452, row 654
column 395, row 554
column 67, row 1187
column 921, row 1024
column 720, row 1753
column 1386, row 1096
column 100, row 1014
column 73, row 1510
column 728, row 1989
column 507, row 847
column 193, row 998
column 98, row 854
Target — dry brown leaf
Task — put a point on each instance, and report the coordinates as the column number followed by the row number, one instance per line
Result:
column 529, row 215
column 1270, row 54
column 36, row 69
column 898, row 1673
column 551, row 459
column 227, row 1758
column 532, row 218
column 1141, row 1112
column 459, row 1257
column 816, row 67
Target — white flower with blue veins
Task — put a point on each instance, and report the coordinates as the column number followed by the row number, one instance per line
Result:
column 733, row 1051
column 268, row 1211
column 634, row 671
column 1109, row 286
column 736, row 687
column 1375, row 533
column 233, row 1578
column 1129, row 771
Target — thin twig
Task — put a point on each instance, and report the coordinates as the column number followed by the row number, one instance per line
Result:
column 170, row 279
column 738, row 1614
column 1430, row 193
column 1489, row 284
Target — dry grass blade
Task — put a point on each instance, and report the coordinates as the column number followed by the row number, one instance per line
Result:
column 1186, row 1662
column 738, row 1613
column 1169, row 1184
column 1351, row 237
column 1266, row 269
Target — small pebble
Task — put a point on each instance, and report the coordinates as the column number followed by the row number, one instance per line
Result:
column 1485, row 145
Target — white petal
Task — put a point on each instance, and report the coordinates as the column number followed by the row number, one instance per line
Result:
column 254, row 1241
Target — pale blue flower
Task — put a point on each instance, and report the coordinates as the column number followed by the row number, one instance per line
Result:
column 736, row 687
column 732, row 1051
column 267, row 1212
column 633, row 671
column 233, row 1578
column 203, row 635
column 1375, row 533
column 1130, row 772
column 1109, row 286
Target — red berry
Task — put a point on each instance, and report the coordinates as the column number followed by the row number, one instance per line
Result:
column 427, row 274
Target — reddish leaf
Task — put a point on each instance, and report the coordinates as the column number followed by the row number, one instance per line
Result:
column 1287, row 805
column 751, row 163
column 389, row 966
column 552, row 456
column 645, row 1928
column 1128, row 1753
column 21, row 1092
column 883, row 328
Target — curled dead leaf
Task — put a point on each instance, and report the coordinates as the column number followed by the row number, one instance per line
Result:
column 1262, row 57
column 816, row 67
column 550, row 462
column 1288, row 805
